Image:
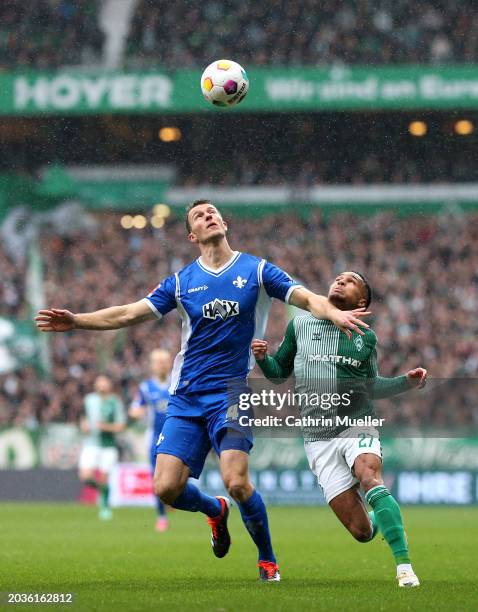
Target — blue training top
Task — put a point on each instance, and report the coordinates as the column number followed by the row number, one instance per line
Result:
column 222, row 311
column 153, row 396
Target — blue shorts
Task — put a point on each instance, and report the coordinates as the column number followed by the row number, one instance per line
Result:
column 190, row 438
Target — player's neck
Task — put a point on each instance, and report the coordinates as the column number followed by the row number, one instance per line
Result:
column 161, row 379
column 215, row 255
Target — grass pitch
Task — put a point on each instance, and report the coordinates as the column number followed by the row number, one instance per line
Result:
column 124, row 565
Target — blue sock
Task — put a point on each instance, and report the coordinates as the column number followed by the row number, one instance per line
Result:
column 254, row 517
column 161, row 510
column 193, row 500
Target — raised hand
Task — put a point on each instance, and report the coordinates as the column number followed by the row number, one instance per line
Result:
column 55, row 320
column 417, row 378
column 349, row 320
column 259, row 349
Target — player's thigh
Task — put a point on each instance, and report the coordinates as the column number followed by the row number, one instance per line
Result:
column 186, row 440
column 234, row 464
column 363, row 454
column 327, row 462
column 170, row 472
column 349, row 508
column 88, row 462
column 108, row 458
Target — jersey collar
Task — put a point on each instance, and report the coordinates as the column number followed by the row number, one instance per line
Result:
column 222, row 269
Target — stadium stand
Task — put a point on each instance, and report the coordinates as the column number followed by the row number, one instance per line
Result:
column 45, row 34
column 295, row 33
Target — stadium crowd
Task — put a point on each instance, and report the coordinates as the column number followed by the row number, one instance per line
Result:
column 303, row 33
column 366, row 169
column 423, row 270
column 46, row 34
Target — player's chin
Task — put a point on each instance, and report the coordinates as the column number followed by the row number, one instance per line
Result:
column 214, row 233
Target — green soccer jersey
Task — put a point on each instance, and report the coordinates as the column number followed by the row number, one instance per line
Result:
column 99, row 409
column 325, row 361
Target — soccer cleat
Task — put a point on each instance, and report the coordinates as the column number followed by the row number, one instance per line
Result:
column 161, row 524
column 105, row 514
column 268, row 571
column 408, row 579
column 220, row 538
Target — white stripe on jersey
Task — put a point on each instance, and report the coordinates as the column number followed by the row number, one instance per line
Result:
column 261, row 312
column 185, row 335
column 153, row 308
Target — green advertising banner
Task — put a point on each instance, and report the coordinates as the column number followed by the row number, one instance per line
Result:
column 274, row 89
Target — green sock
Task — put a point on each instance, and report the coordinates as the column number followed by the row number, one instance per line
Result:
column 104, row 496
column 388, row 518
column 373, row 521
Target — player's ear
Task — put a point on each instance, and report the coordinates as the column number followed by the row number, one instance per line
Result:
column 361, row 303
column 192, row 238
column 225, row 225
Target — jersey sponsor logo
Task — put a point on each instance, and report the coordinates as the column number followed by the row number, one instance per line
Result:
column 358, row 343
column 201, row 288
column 239, row 282
column 220, row 308
column 338, row 359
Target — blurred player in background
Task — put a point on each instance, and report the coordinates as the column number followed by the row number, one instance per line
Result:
column 223, row 298
column 104, row 417
column 344, row 457
column 151, row 400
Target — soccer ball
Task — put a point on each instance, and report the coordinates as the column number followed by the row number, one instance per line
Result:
column 224, row 83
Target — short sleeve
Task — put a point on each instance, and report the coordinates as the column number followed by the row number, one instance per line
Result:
column 163, row 298
column 276, row 282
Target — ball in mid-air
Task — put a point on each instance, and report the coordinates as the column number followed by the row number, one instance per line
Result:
column 224, row 83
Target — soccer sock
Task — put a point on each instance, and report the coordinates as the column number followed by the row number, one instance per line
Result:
column 373, row 522
column 104, row 495
column 389, row 520
column 254, row 517
column 193, row 500
column 161, row 510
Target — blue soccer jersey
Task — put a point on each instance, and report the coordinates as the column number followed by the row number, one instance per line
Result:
column 222, row 311
column 153, row 396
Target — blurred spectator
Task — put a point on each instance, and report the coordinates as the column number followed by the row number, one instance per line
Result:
column 46, row 34
column 423, row 270
column 179, row 35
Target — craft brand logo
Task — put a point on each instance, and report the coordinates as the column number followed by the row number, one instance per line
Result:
column 201, row 288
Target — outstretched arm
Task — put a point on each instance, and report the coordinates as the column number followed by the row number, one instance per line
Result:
column 115, row 317
column 387, row 387
column 382, row 387
column 320, row 307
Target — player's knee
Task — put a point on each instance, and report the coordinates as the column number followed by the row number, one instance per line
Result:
column 362, row 533
column 167, row 491
column 369, row 481
column 238, row 488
